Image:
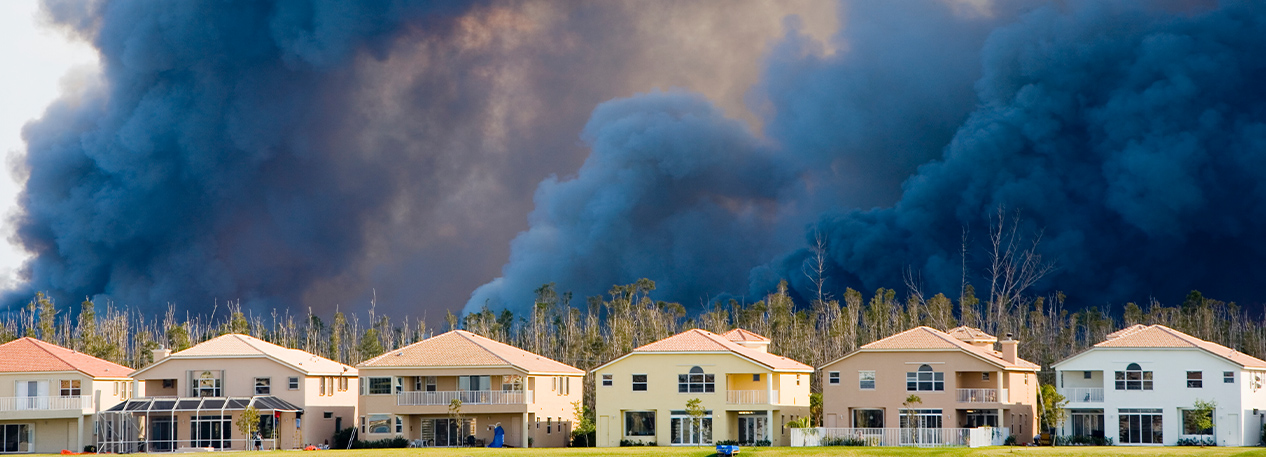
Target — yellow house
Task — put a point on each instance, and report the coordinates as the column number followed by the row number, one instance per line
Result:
column 48, row 395
column 748, row 394
column 194, row 397
column 960, row 380
column 409, row 392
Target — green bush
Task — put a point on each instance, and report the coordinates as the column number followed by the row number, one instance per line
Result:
column 1202, row 441
column 584, row 439
column 635, row 443
column 843, row 441
column 385, row 443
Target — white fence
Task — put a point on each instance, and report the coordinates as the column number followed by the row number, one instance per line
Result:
column 977, row 395
column 747, row 397
column 468, row 397
column 46, row 403
column 1083, row 394
column 929, row 437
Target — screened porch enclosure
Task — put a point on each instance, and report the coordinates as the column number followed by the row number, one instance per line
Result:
column 170, row 424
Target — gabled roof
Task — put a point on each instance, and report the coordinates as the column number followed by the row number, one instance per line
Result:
column 740, row 334
column 238, row 345
column 703, row 341
column 460, row 348
column 29, row 355
column 933, row 339
column 1160, row 336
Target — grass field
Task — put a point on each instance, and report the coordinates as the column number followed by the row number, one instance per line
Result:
column 1071, row 451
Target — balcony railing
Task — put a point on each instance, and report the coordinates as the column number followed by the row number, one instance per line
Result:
column 468, row 397
column 45, row 403
column 981, row 396
column 1083, row 394
column 748, row 397
column 923, row 437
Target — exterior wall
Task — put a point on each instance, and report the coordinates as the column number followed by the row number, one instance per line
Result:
column 1253, row 409
column 1234, row 424
column 662, row 397
column 239, row 381
column 890, row 367
column 60, row 429
column 51, row 436
column 552, row 398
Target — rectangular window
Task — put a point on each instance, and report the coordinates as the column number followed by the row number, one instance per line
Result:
column 833, row 377
column 294, row 383
column 925, row 380
column 327, row 415
column 1085, row 375
column 263, row 386
column 474, row 383
column 399, row 425
column 512, row 382
column 608, row 380
column 696, row 382
column 868, row 418
column 755, row 377
column 342, row 384
column 70, row 388
column 866, row 379
column 1228, row 377
column 1189, row 427
column 206, row 383
column 1133, row 380
column 380, row 423
column 1140, row 426
column 984, row 376
column 321, row 388
column 1195, row 379
column 639, row 383
column 417, row 383
column 169, row 383
column 399, row 383
column 379, row 386
column 430, row 383
column 16, row 437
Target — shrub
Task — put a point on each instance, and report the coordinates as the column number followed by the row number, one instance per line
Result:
column 635, row 443
column 342, row 437
column 1197, row 441
column 385, row 443
column 584, row 439
column 843, row 441
column 1010, row 441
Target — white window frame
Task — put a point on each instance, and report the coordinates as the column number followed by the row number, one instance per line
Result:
column 608, row 380
column 369, row 389
column 833, row 378
column 292, row 383
column 645, row 383
column 268, row 386
column 861, row 379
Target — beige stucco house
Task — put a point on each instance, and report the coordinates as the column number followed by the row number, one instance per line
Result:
column 748, row 394
column 408, row 392
column 194, row 397
column 961, row 380
column 48, row 395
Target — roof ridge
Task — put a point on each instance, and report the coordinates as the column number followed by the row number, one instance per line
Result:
column 485, row 348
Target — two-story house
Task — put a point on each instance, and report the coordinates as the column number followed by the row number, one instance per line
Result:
column 1140, row 385
column 458, row 387
column 194, row 397
column 959, row 380
column 49, row 394
column 746, row 393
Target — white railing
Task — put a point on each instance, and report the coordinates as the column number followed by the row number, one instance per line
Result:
column 468, row 397
column 1083, row 394
column 45, row 403
column 923, row 437
column 748, row 397
column 979, row 395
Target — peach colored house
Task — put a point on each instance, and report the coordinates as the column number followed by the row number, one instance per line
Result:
column 49, row 394
column 962, row 381
column 748, row 393
column 408, row 391
column 194, row 397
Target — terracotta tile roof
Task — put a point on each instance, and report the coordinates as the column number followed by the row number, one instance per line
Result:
column 1127, row 330
column 1160, row 336
column 238, row 345
column 739, row 334
column 29, row 355
column 930, row 338
column 460, row 348
column 970, row 334
column 697, row 340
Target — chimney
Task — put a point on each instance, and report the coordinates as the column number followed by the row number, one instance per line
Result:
column 1009, row 349
column 161, row 353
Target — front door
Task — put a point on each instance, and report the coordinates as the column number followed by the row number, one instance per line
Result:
column 1232, row 434
column 752, row 429
column 161, row 433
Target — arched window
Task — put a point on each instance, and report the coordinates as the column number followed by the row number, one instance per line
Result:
column 925, row 380
column 1134, row 378
column 696, row 382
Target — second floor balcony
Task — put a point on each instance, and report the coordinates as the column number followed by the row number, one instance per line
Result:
column 46, row 403
column 467, row 397
column 981, row 396
column 749, row 397
column 1082, row 394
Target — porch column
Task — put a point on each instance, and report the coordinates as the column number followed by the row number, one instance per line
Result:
column 769, row 387
column 1000, row 375
column 524, row 438
column 80, row 433
column 769, row 427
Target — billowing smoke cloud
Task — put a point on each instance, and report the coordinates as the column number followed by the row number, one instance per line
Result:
column 307, row 153
column 1133, row 139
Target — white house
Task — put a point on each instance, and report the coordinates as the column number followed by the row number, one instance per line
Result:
column 1138, row 388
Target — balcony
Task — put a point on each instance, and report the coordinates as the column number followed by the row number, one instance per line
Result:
column 981, row 396
column 79, row 402
column 748, row 397
column 468, row 397
column 1083, row 394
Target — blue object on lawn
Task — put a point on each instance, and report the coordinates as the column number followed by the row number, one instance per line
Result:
column 727, row 449
column 498, row 437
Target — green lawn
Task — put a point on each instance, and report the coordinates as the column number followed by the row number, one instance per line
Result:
column 1071, row 451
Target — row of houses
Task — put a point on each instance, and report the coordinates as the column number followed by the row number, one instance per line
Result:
column 919, row 387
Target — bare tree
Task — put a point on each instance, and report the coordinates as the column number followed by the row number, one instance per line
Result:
column 1014, row 266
